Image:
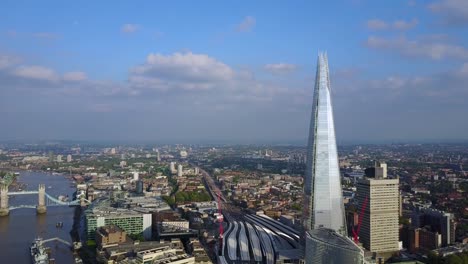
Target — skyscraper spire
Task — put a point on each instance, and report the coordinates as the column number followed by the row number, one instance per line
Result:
column 323, row 205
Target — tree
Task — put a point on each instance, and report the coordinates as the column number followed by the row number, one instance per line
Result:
column 454, row 259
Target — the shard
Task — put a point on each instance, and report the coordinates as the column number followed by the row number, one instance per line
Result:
column 323, row 205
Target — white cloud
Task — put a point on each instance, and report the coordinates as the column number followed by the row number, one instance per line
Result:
column 452, row 11
column 246, row 25
column 7, row 61
column 415, row 48
column 279, row 68
column 405, row 25
column 377, row 24
column 187, row 71
column 130, row 28
column 36, row 72
column 74, row 76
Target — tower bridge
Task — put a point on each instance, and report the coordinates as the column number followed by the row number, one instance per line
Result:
column 44, row 200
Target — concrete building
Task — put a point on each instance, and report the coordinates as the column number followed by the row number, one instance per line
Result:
column 69, row 158
column 172, row 167
column 59, row 158
column 110, row 235
column 133, row 223
column 326, row 246
column 180, row 171
column 379, row 228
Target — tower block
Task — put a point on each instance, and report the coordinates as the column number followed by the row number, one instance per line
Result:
column 41, row 206
column 4, row 210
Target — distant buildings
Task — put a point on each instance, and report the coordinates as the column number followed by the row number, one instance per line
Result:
column 435, row 221
column 69, row 158
column 59, row 158
column 380, row 195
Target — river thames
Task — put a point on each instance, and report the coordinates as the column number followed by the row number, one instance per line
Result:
column 18, row 230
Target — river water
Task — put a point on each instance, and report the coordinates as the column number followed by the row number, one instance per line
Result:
column 18, row 230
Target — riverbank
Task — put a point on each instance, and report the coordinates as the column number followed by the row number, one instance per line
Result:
column 23, row 225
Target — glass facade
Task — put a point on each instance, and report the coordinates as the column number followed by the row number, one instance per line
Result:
column 323, row 205
column 326, row 246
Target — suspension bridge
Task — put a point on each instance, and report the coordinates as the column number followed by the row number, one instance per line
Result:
column 44, row 200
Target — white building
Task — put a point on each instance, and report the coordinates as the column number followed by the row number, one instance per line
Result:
column 59, row 158
column 136, row 176
column 69, row 158
column 180, row 171
column 172, row 167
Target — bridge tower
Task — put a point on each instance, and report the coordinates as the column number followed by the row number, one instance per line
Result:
column 4, row 211
column 41, row 206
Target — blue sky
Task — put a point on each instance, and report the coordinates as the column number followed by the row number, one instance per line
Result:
column 196, row 71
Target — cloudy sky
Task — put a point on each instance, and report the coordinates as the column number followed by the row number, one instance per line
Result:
column 216, row 71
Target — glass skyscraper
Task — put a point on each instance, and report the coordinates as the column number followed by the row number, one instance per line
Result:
column 323, row 205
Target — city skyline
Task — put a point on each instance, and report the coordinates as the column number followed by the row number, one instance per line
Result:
column 211, row 72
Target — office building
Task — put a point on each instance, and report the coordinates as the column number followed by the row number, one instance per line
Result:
column 323, row 201
column 69, row 158
column 323, row 215
column 380, row 196
column 59, row 158
column 133, row 223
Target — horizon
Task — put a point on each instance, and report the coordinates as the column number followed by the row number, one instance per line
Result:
column 240, row 73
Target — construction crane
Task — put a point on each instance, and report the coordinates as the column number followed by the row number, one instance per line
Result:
column 361, row 215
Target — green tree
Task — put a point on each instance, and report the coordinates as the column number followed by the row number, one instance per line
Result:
column 454, row 259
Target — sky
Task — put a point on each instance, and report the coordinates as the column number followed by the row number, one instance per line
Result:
column 232, row 71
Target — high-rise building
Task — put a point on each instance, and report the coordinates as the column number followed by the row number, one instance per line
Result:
column 379, row 231
column 158, row 156
column 172, row 167
column 180, row 171
column 59, row 158
column 324, row 216
column 323, row 201
column 69, row 158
